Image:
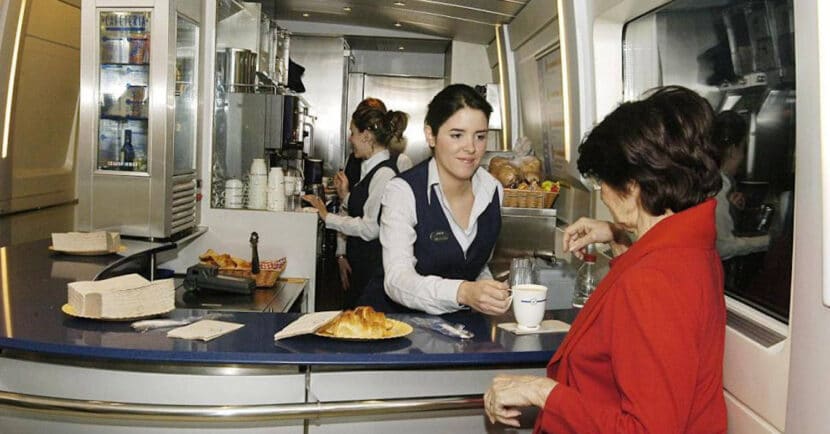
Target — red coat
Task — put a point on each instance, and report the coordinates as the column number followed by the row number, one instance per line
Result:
column 645, row 355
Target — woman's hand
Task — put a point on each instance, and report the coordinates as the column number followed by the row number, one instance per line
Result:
column 341, row 184
column 490, row 297
column 737, row 199
column 345, row 271
column 508, row 392
column 316, row 202
column 587, row 231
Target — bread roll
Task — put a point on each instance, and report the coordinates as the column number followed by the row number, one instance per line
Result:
column 531, row 169
column 508, row 176
column 496, row 163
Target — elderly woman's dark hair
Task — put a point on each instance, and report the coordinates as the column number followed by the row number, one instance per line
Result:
column 452, row 99
column 729, row 132
column 663, row 143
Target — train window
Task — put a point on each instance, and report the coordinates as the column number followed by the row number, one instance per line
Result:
column 739, row 55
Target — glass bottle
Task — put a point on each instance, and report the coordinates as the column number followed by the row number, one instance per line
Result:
column 127, row 156
column 586, row 280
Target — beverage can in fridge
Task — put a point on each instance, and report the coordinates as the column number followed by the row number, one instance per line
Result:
column 115, row 50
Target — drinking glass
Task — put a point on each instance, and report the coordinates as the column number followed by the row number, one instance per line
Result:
column 521, row 271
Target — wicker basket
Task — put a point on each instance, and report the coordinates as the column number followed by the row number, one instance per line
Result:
column 269, row 272
column 516, row 198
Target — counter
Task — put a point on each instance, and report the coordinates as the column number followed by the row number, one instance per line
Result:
column 114, row 377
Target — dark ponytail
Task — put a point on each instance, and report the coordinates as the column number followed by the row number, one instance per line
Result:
column 386, row 126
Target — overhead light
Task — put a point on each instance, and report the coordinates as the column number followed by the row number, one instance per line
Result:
column 397, row 24
column 305, row 14
column 399, row 3
column 347, row 9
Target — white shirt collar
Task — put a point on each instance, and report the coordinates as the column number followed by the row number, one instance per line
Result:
column 482, row 181
column 368, row 164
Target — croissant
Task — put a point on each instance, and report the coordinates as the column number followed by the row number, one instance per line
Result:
column 361, row 323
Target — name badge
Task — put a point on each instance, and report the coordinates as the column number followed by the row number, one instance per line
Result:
column 439, row 236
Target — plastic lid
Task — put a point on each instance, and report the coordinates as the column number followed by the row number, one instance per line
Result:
column 589, row 257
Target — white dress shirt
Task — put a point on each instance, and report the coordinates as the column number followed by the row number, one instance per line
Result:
column 727, row 243
column 375, row 192
column 365, row 227
column 431, row 294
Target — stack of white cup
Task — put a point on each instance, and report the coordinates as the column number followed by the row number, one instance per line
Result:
column 276, row 190
column 290, row 192
column 257, row 184
column 233, row 193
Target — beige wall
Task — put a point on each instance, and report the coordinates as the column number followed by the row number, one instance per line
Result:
column 44, row 129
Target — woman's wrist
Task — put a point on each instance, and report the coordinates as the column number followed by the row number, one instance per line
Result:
column 461, row 294
column 543, row 389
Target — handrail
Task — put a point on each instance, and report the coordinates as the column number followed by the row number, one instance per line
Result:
column 226, row 413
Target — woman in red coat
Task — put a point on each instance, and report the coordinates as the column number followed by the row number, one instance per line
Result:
column 645, row 354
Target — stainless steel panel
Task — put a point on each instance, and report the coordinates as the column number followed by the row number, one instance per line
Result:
column 536, row 15
column 322, row 58
column 252, row 126
column 523, row 232
column 399, row 63
column 409, row 95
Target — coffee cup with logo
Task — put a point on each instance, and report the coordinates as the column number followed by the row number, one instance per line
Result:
column 529, row 305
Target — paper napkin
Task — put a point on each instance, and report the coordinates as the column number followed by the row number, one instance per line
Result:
column 205, row 330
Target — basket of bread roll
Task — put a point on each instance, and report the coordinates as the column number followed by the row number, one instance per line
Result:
column 524, row 185
column 269, row 270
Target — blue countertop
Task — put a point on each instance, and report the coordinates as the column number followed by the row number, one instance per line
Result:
column 34, row 289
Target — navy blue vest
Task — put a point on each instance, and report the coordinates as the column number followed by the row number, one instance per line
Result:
column 436, row 248
column 365, row 257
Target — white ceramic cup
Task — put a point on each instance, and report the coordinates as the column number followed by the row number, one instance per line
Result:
column 529, row 305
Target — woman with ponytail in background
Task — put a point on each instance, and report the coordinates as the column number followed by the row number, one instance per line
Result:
column 371, row 131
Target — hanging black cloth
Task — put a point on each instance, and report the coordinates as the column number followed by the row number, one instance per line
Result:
column 295, row 76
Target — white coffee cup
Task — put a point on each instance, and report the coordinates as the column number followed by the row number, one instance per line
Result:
column 529, row 305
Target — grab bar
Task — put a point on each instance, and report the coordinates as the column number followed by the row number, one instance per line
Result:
column 226, row 413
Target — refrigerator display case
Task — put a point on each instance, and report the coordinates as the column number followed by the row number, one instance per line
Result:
column 138, row 141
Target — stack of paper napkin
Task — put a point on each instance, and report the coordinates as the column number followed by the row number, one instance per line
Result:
column 82, row 242
column 127, row 296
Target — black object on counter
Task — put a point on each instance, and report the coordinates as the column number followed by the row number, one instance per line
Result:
column 254, row 253
column 206, row 277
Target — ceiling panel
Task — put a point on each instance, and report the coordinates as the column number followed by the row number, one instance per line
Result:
column 464, row 20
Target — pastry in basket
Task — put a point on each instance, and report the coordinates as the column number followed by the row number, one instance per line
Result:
column 224, row 260
column 361, row 323
column 228, row 265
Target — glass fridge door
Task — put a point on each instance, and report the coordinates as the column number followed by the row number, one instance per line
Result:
column 184, row 141
column 123, row 97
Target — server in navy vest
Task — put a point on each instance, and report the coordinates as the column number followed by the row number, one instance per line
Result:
column 371, row 131
column 350, row 175
column 441, row 219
